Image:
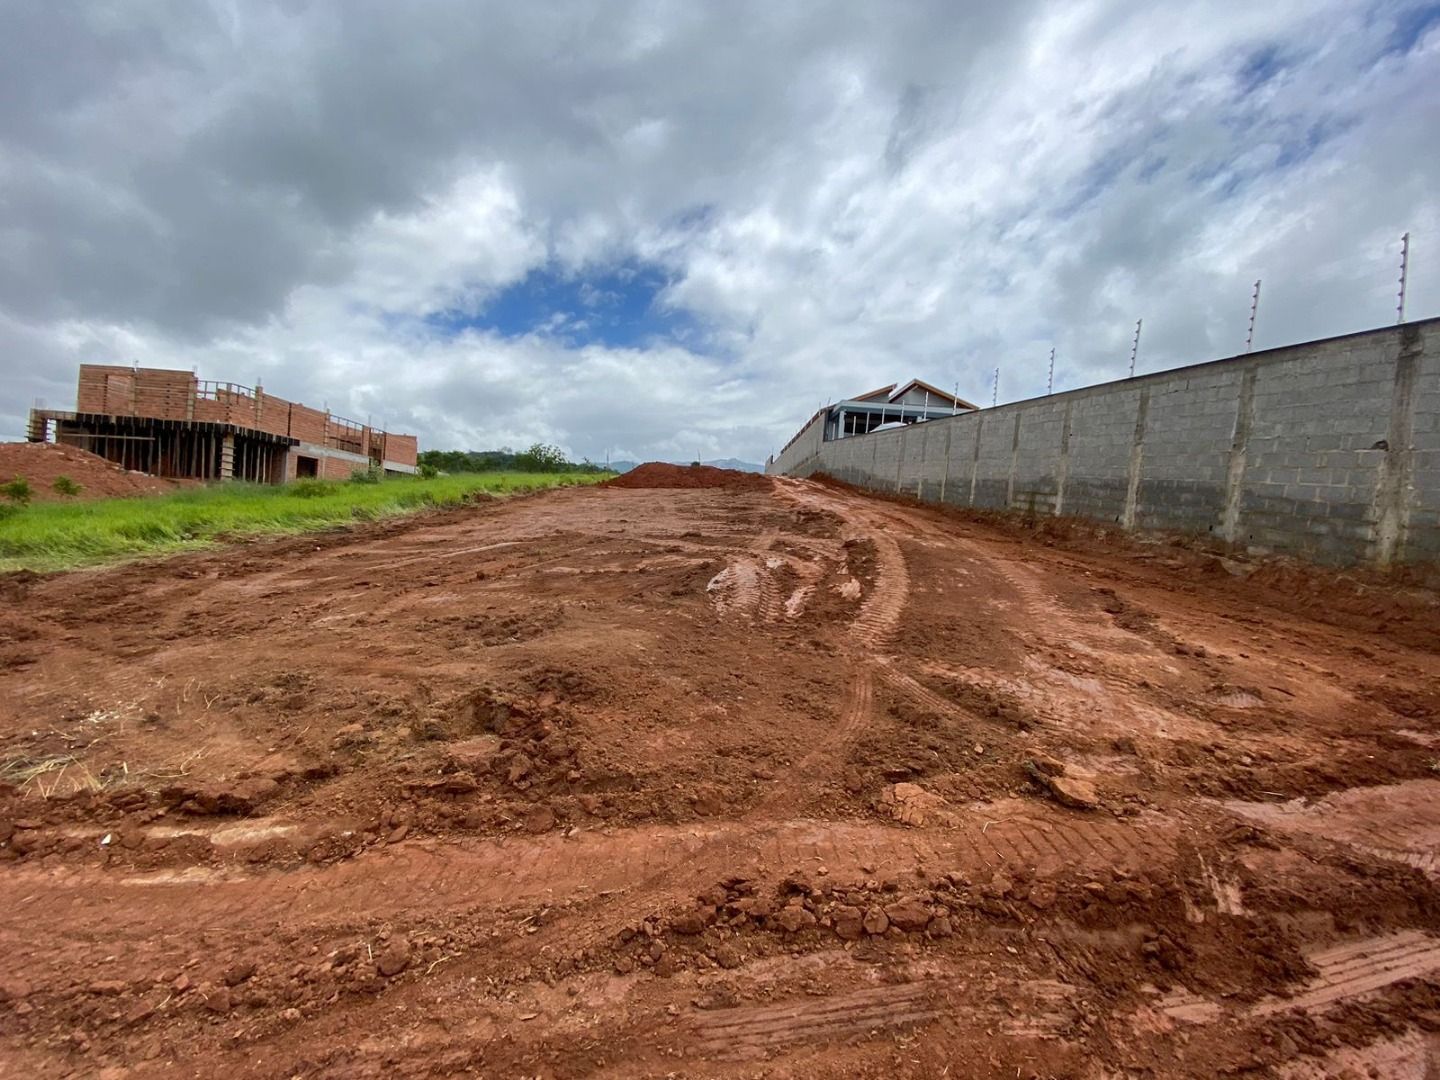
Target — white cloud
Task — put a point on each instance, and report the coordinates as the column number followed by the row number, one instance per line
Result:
column 839, row 195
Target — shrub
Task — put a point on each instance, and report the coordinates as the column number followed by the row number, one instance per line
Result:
column 310, row 488
column 365, row 476
column 17, row 490
column 427, row 472
column 65, row 486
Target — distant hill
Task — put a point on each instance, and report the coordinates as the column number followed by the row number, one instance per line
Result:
column 736, row 464
column 719, row 463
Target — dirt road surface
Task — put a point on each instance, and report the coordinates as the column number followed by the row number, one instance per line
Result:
column 784, row 782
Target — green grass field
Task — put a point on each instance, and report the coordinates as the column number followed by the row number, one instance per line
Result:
column 59, row 536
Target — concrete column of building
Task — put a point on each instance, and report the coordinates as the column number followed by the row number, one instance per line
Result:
column 227, row 458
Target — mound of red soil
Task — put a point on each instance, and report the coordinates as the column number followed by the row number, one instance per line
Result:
column 42, row 463
column 658, row 474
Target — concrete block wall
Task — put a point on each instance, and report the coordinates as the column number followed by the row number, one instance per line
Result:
column 1329, row 450
column 1422, row 539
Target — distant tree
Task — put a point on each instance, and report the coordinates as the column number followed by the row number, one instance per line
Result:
column 539, row 458
column 542, row 457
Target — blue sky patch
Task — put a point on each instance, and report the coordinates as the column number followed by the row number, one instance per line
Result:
column 619, row 306
column 1260, row 67
column 1411, row 24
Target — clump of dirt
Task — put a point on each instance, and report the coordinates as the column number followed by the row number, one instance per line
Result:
column 1108, row 926
column 497, row 628
column 658, row 474
column 41, row 464
column 988, row 702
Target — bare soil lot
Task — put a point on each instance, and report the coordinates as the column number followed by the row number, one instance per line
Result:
column 769, row 781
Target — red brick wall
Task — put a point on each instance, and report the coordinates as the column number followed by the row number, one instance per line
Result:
column 93, row 384
column 158, row 392
column 161, row 393
column 327, row 468
column 274, row 415
column 401, row 449
column 307, row 424
column 337, row 469
column 166, row 394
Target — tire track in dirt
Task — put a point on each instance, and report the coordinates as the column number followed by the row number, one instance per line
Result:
column 736, row 589
column 753, row 1031
column 919, row 692
column 1360, row 967
column 630, row 876
column 875, row 624
column 1427, row 862
column 880, row 612
column 1346, row 971
column 1396, row 822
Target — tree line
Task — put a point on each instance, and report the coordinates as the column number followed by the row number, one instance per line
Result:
column 540, row 457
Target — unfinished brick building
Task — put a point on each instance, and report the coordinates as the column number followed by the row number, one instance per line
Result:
column 169, row 423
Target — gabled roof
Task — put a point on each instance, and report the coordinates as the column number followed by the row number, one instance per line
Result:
column 934, row 391
column 876, row 395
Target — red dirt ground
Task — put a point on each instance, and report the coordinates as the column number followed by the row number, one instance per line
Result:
column 42, row 463
column 659, row 474
column 787, row 782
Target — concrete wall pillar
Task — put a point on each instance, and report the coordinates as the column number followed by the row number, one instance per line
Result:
column 945, row 469
column 1392, row 488
column 1014, row 458
column 1137, row 460
column 975, row 459
column 227, row 458
column 1239, row 447
column 1062, row 467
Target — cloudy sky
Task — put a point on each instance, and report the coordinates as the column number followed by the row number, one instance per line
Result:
column 661, row 228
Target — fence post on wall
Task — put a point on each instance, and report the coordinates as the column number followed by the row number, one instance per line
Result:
column 1137, row 459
